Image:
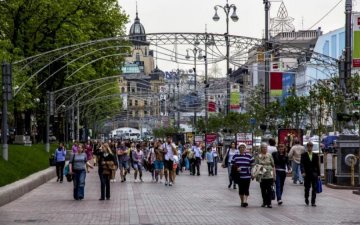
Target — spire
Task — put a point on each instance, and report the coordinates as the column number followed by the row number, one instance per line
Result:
column 137, row 14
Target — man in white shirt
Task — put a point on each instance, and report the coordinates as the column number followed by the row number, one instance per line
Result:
column 170, row 149
column 197, row 153
column 272, row 146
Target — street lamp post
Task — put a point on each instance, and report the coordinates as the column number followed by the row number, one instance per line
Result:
column 227, row 9
column 197, row 52
column 267, row 57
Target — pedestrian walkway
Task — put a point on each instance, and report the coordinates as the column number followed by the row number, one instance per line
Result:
column 192, row 200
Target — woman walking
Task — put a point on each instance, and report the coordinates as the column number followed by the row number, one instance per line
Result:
column 138, row 158
column 60, row 154
column 227, row 162
column 107, row 164
column 243, row 162
column 77, row 166
column 281, row 162
column 216, row 157
column 266, row 161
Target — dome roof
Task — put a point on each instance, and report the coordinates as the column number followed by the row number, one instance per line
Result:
column 137, row 32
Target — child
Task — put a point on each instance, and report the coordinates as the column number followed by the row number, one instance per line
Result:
column 210, row 161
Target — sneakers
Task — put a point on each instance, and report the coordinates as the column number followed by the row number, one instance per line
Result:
column 280, row 202
column 166, row 183
column 307, row 201
column 170, row 184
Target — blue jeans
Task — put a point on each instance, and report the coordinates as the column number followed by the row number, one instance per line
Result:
column 280, row 180
column 79, row 184
column 216, row 161
column 296, row 172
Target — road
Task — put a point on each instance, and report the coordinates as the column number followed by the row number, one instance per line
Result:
column 192, row 200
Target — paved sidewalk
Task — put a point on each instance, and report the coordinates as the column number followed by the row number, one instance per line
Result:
column 192, row 200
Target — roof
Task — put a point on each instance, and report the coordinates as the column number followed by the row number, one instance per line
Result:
column 137, row 32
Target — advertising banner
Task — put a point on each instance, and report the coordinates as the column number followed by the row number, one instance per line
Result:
column 210, row 138
column 288, row 82
column 275, row 84
column 288, row 137
column 246, row 138
column 211, row 107
column 235, row 100
column 356, row 42
column 190, row 137
column 199, row 139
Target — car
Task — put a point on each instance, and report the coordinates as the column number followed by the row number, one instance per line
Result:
column 316, row 147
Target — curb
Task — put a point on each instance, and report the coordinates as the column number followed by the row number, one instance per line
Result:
column 17, row 189
column 334, row 186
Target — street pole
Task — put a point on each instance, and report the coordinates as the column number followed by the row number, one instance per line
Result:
column 78, row 121
column 348, row 33
column 227, row 65
column 206, row 84
column 267, row 57
column 47, row 141
column 6, row 95
column 195, row 74
column 178, row 107
column 73, row 119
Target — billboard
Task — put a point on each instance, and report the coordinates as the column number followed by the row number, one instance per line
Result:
column 235, row 97
column 356, row 41
column 211, row 107
column 246, row 138
column 210, row 138
column 288, row 82
column 288, row 137
column 276, row 84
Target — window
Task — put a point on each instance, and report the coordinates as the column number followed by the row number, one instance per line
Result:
column 326, row 48
column 145, row 113
column 122, row 90
column 136, row 102
column 130, row 102
column 145, row 103
column 146, row 52
column 133, row 90
column 137, row 56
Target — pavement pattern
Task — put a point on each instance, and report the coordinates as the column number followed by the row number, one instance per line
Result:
column 192, row 200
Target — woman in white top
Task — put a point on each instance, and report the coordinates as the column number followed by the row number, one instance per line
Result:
column 216, row 157
column 227, row 162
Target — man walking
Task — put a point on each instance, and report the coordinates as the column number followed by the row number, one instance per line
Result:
column 197, row 154
column 295, row 156
column 310, row 170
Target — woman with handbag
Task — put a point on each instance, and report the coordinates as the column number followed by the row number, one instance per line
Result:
column 138, row 162
column 107, row 164
column 267, row 178
column 77, row 168
column 227, row 162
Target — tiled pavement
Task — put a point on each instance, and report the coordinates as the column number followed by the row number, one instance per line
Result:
column 193, row 200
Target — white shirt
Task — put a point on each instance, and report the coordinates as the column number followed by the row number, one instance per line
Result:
column 197, row 151
column 169, row 152
column 271, row 149
column 232, row 152
column 214, row 151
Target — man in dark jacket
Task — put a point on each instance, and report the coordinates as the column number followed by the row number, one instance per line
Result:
column 310, row 170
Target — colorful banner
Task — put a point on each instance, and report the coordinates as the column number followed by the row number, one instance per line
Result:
column 288, row 82
column 210, row 138
column 356, row 42
column 199, row 139
column 288, row 137
column 235, row 100
column 190, row 137
column 275, row 84
column 211, row 107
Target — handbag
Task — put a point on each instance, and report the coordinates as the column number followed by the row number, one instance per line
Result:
column 319, row 186
column 235, row 176
column 272, row 192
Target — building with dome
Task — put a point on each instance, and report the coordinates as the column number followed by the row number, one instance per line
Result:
column 140, row 83
column 141, row 55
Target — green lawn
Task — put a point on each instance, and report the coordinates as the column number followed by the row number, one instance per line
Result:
column 23, row 161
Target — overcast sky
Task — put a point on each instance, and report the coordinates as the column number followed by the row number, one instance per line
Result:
column 192, row 15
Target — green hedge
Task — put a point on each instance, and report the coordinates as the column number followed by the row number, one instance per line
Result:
column 23, row 161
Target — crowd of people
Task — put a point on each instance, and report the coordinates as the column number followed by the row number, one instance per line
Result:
column 165, row 160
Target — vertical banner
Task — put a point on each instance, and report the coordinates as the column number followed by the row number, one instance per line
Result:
column 211, row 107
column 288, row 137
column 276, row 84
column 356, row 41
column 234, row 97
column 288, row 82
column 190, row 137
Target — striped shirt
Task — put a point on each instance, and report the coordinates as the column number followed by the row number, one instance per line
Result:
column 244, row 163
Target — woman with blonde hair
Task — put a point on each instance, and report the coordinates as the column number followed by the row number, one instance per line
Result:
column 107, row 165
column 77, row 167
